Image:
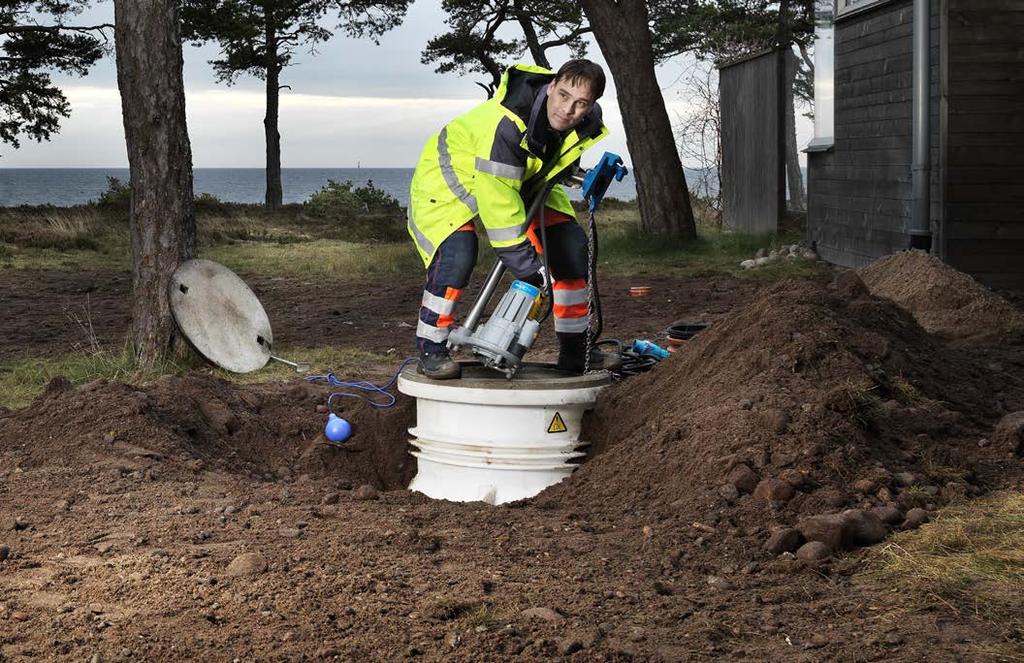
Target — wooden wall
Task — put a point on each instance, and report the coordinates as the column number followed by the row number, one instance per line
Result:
column 753, row 184
column 859, row 192
column 985, row 140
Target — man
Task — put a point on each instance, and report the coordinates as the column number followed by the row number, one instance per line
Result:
column 482, row 169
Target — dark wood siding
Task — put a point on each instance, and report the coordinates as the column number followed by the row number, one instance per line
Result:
column 985, row 140
column 752, row 191
column 859, row 192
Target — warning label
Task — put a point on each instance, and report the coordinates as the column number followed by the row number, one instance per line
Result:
column 557, row 425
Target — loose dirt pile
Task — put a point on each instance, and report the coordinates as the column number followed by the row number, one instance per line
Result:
column 179, row 426
column 814, row 399
column 944, row 301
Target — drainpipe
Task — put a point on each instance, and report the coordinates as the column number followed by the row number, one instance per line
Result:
column 920, row 221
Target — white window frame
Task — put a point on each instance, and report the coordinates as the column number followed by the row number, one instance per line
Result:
column 845, row 7
column 824, row 80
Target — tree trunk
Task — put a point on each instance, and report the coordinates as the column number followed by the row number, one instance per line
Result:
column 162, row 221
column 540, row 58
column 794, row 175
column 621, row 30
column 274, row 195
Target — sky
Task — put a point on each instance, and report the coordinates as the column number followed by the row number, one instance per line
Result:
column 352, row 103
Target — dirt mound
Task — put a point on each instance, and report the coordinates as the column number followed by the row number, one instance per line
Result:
column 814, row 398
column 186, row 424
column 943, row 300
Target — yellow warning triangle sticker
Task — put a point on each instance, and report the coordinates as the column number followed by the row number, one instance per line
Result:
column 557, row 425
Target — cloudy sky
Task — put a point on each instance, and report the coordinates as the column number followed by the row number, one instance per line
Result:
column 353, row 102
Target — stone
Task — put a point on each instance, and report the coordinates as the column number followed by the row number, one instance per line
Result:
column 864, row 486
column 546, row 614
column 776, row 421
column 829, row 529
column 813, row 551
column 745, row 404
column 905, row 479
column 219, row 416
column 247, row 564
column 784, row 539
column 330, row 498
column 290, row 532
column 5, row 552
column 864, row 528
column 794, row 477
column 832, row 498
column 728, row 491
column 884, row 494
column 364, row 493
column 1008, row 434
column 744, row 478
column 915, row 518
column 774, row 490
column 889, row 515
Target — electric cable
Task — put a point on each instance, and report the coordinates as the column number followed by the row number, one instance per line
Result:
column 381, row 399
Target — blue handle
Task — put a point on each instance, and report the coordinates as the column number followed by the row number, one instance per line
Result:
column 598, row 178
column 648, row 349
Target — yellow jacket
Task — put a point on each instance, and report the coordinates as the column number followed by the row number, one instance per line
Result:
column 486, row 162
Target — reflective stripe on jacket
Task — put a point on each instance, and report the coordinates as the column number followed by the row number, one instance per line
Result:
column 486, row 162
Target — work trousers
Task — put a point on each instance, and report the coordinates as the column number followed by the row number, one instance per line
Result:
column 453, row 263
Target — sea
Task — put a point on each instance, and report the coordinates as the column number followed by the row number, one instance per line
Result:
column 66, row 187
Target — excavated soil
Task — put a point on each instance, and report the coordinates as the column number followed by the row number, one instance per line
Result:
column 946, row 302
column 198, row 518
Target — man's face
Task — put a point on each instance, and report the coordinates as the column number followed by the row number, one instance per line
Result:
column 568, row 104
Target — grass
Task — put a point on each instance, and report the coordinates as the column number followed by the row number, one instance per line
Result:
column 291, row 242
column 22, row 380
column 969, row 560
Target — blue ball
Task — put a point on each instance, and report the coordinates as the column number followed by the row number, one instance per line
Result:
column 337, row 429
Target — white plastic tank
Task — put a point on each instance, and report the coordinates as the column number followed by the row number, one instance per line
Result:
column 487, row 438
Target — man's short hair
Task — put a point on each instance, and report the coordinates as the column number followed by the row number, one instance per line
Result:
column 576, row 71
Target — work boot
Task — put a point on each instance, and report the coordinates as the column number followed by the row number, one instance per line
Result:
column 439, row 366
column 573, row 348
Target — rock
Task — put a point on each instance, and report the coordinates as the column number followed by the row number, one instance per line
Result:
column 954, row 490
column 330, row 498
column 893, row 639
column 247, row 564
column 774, row 490
column 915, row 518
column 365, row 492
column 829, row 529
column 905, row 479
column 744, row 478
column 864, row 486
column 745, row 404
column 19, row 616
column 983, row 442
column 728, row 491
column 327, row 652
column 290, row 532
column 219, row 416
column 5, row 552
column 884, row 494
column 889, row 515
column 813, row 551
column 748, row 264
column 794, row 477
column 776, row 421
column 784, row 539
column 864, row 528
column 761, row 253
column 546, row 614
column 832, row 498
column 1009, row 433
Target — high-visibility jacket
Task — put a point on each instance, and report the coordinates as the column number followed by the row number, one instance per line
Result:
column 486, row 162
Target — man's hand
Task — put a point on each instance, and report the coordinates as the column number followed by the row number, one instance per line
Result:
column 538, row 279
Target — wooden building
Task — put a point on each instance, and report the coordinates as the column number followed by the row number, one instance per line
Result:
column 859, row 186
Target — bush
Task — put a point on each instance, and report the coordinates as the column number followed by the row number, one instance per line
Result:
column 118, row 194
column 377, row 201
column 341, row 199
